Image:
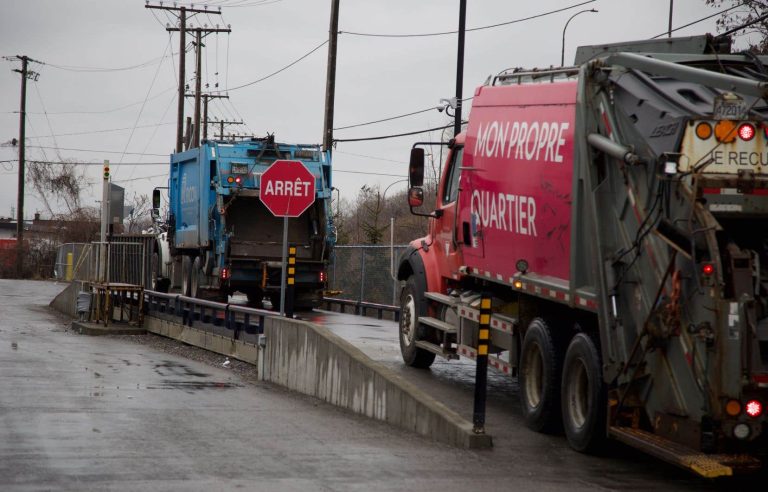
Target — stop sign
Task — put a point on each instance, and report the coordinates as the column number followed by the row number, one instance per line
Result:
column 287, row 188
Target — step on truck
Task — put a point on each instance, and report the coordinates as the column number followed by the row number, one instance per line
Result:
column 221, row 239
column 615, row 213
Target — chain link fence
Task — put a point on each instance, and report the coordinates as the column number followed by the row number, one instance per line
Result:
column 365, row 273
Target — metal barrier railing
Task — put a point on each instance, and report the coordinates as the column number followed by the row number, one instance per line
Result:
column 362, row 308
column 237, row 322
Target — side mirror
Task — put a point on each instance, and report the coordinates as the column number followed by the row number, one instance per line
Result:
column 416, row 168
column 156, row 199
column 415, row 196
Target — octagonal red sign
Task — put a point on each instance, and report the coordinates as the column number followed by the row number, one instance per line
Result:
column 287, row 188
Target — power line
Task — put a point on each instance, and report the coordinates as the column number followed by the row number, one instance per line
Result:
column 700, row 20
column 367, row 173
column 112, row 110
column 110, row 130
column 371, row 157
column 444, row 33
column 81, row 163
column 96, row 151
column 282, row 69
column 395, row 117
column 74, row 68
column 382, row 137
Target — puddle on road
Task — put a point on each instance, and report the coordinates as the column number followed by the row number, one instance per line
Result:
column 191, row 386
column 171, row 368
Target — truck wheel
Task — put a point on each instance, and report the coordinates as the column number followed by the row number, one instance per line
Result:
column 539, row 378
column 186, row 275
column 583, row 396
column 255, row 298
column 411, row 307
column 196, row 277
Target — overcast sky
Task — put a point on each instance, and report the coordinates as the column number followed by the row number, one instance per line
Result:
column 80, row 42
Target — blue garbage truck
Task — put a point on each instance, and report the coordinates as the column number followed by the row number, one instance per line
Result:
column 221, row 239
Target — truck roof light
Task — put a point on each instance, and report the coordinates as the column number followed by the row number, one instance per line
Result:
column 725, row 131
column 707, row 269
column 230, row 179
column 747, row 132
column 703, row 130
column 733, row 408
column 754, row 408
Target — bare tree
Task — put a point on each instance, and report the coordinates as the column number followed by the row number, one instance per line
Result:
column 57, row 185
column 140, row 217
column 746, row 11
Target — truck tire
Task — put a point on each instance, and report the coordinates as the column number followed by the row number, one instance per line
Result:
column 196, row 279
column 411, row 307
column 255, row 298
column 583, row 396
column 186, row 275
column 540, row 378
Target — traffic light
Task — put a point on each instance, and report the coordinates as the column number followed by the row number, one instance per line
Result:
column 106, row 171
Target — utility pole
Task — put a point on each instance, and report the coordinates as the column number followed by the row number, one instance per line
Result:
column 182, row 29
column 206, row 98
column 25, row 74
column 671, row 8
column 330, row 84
column 221, row 125
column 198, row 81
column 460, row 66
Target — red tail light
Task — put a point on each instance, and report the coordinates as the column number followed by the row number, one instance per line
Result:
column 322, row 277
column 224, row 273
column 754, row 408
column 746, row 132
column 238, row 180
column 708, row 269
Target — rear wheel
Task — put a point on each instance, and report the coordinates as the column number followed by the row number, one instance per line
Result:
column 540, row 378
column 583, row 396
column 411, row 307
column 186, row 276
column 255, row 298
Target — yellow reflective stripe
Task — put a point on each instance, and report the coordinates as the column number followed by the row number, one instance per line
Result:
column 482, row 350
column 484, row 334
column 485, row 304
column 290, row 281
column 485, row 319
column 291, row 261
column 291, row 271
column 292, row 250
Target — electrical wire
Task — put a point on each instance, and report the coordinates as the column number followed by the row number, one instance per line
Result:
column 111, row 110
column 445, row 33
column 383, row 137
column 141, row 110
column 50, row 128
column 394, row 117
column 94, row 150
column 280, row 70
column 73, row 68
column 370, row 157
column 700, row 20
column 110, row 130
column 367, row 173
column 82, row 163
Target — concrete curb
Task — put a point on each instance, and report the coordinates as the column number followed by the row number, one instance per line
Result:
column 95, row 329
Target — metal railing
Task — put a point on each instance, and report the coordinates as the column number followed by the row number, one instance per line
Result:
column 227, row 320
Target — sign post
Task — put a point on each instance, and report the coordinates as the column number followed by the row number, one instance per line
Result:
column 287, row 189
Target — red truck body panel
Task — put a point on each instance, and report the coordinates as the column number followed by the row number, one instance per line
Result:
column 517, row 179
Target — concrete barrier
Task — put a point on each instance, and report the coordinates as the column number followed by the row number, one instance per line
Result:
column 310, row 359
column 66, row 301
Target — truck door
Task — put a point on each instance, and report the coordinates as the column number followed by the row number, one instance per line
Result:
column 447, row 234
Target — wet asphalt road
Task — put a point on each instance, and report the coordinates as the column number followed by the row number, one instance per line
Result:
column 100, row 413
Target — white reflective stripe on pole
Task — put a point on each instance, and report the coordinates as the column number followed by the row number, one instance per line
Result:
column 284, row 270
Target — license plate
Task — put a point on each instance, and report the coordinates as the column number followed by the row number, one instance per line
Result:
column 729, row 108
column 239, row 168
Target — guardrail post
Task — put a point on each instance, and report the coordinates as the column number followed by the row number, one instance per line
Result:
column 481, row 370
